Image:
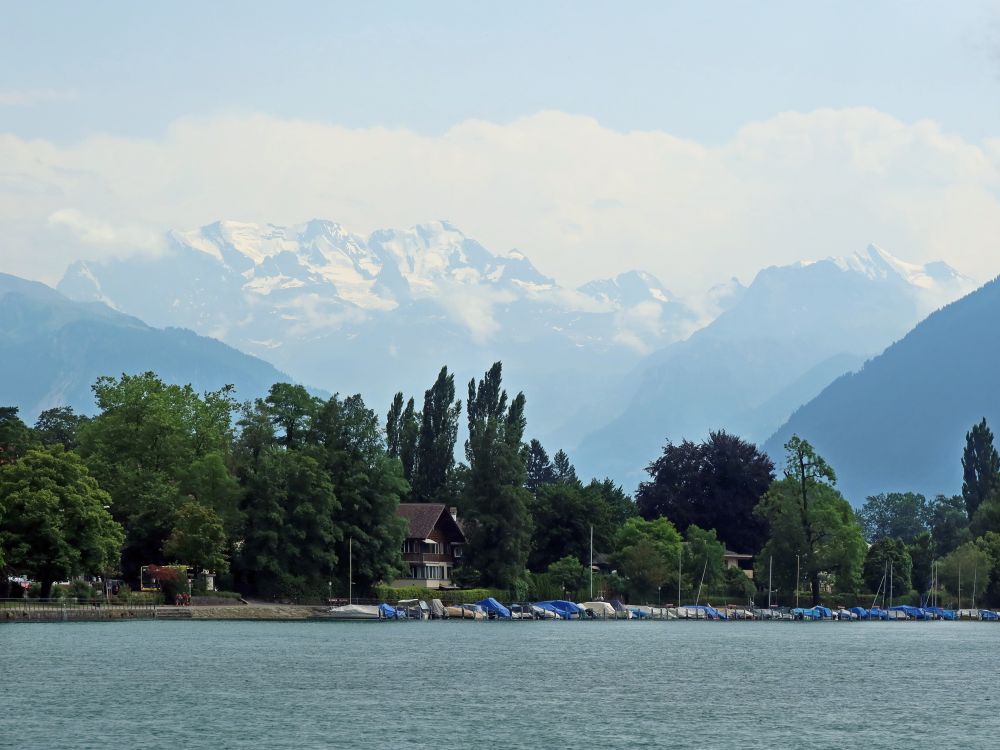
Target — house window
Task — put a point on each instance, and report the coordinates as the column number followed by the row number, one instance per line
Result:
column 456, row 551
column 432, row 548
column 415, row 571
column 434, row 572
column 411, row 546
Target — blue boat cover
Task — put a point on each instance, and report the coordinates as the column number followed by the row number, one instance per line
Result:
column 562, row 608
column 876, row 613
column 914, row 612
column 388, row 612
column 988, row 614
column 638, row 613
column 861, row 612
column 492, row 606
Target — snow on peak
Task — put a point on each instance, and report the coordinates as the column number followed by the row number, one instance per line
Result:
column 878, row 264
column 628, row 289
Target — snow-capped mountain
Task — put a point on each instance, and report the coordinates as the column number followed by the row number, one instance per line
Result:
column 380, row 313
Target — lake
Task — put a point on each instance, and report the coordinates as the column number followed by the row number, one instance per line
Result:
column 191, row 684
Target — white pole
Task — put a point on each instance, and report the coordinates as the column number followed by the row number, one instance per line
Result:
column 591, row 562
column 797, row 576
column 770, row 573
column 974, row 576
column 890, row 584
column 350, row 570
column 680, row 556
column 960, row 591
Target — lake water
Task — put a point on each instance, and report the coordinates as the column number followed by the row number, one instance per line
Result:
column 470, row 684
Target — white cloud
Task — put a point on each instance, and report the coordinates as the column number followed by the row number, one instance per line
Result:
column 581, row 200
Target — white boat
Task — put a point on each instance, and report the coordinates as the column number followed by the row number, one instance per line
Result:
column 354, row 612
column 600, row 609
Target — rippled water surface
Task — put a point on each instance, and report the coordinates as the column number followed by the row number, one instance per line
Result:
column 466, row 684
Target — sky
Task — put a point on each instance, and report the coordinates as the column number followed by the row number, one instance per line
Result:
column 697, row 141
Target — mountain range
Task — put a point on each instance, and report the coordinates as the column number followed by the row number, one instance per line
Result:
column 53, row 349
column 612, row 369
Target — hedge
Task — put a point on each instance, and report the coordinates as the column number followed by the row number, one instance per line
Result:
column 447, row 596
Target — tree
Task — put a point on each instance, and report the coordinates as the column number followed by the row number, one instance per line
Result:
column 538, row 468
column 143, row 444
column 198, row 538
column 922, row 552
column 54, row 522
column 59, row 425
column 209, row 481
column 562, row 469
column 980, row 468
column 899, row 515
column 885, row 556
column 394, row 426
column 569, row 573
column 647, row 554
column 620, row 507
column 409, row 431
column 495, row 499
column 813, row 528
column 704, row 557
column 291, row 409
column 15, row 436
column 949, row 523
column 563, row 516
column 714, row 484
column 987, row 516
column 436, row 441
column 964, row 572
column 368, row 485
column 290, row 545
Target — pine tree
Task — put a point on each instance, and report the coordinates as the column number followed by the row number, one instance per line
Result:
column 565, row 472
column 980, row 466
column 538, row 469
column 495, row 499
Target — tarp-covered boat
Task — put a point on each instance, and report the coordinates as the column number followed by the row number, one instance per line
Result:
column 354, row 612
column 437, row 610
column 494, row 609
column 600, row 609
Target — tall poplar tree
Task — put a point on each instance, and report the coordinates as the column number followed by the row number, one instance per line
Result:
column 496, row 501
column 436, row 441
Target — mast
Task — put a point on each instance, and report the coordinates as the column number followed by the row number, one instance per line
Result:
column 890, row 584
column 680, row 556
column 591, row 562
column 974, row 574
column 770, row 573
column 959, row 590
column 797, row 575
column 350, row 570
column 698, row 598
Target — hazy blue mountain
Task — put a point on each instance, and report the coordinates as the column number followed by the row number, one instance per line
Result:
column 383, row 313
column 900, row 422
column 53, row 349
column 785, row 337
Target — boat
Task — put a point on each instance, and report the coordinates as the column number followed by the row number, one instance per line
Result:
column 521, row 612
column 698, row 612
column 494, row 609
column 437, row 610
column 466, row 612
column 355, row 612
column 602, row 610
column 414, row 609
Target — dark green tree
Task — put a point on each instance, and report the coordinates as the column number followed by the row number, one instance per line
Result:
column 563, row 515
column 704, row 555
column 949, row 523
column 715, row 484
column 980, row 468
column 563, row 470
column 885, row 555
column 569, row 574
column 436, row 441
column 60, row 425
column 899, row 515
column 620, row 506
column 209, row 481
column 291, row 409
column 495, row 500
column 922, row 553
column 538, row 468
column 16, row 437
column 368, row 485
column 291, row 537
column 646, row 553
column 54, row 522
column 394, row 426
column 409, row 432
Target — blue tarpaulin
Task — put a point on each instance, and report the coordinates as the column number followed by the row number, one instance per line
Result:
column 876, row 613
column 388, row 612
column 988, row 614
column 861, row 612
column 912, row 613
column 562, row 608
column 710, row 612
column 495, row 608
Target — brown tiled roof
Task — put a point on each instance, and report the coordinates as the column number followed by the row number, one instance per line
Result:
column 423, row 517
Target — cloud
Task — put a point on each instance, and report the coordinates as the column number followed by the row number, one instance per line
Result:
column 581, row 200
column 32, row 97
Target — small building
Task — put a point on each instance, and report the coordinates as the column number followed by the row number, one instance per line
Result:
column 434, row 544
column 742, row 562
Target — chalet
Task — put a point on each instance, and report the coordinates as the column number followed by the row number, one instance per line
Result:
column 434, row 544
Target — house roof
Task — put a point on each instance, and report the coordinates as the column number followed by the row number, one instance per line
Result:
column 423, row 517
column 737, row 556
